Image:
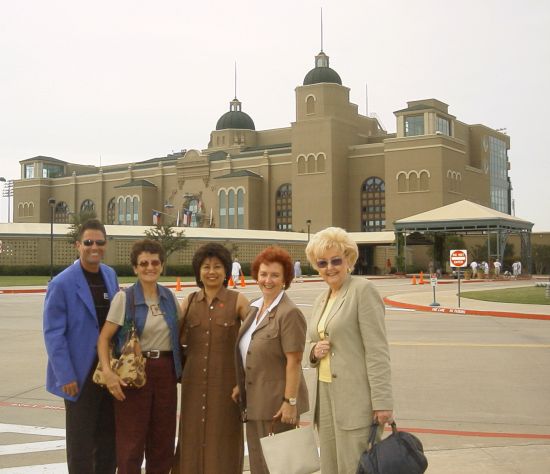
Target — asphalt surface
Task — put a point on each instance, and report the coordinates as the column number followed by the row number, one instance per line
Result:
column 474, row 387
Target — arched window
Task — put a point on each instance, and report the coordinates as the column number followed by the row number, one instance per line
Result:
column 240, row 209
column 373, row 205
column 20, row 209
column 321, row 163
column 111, row 209
column 413, row 181
column 136, row 210
column 231, row 209
column 402, row 182
column 301, row 164
column 26, row 212
column 61, row 213
column 128, row 211
column 223, row 210
column 283, row 207
column 310, row 105
column 311, row 164
column 31, row 209
column 121, row 211
column 424, row 181
column 192, row 216
column 87, row 206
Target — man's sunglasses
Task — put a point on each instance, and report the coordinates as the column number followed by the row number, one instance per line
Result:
column 146, row 263
column 90, row 242
column 335, row 262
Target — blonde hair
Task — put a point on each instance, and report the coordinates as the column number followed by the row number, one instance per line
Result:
column 332, row 238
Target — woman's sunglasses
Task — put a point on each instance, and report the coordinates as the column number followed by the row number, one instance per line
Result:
column 146, row 263
column 90, row 242
column 335, row 262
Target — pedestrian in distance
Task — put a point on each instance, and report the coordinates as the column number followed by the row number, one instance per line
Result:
column 75, row 309
column 145, row 417
column 211, row 432
column 272, row 392
column 236, row 272
column 350, row 351
column 297, row 271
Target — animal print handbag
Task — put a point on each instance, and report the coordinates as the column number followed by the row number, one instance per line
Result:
column 130, row 366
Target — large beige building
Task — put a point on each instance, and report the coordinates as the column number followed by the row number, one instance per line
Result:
column 331, row 166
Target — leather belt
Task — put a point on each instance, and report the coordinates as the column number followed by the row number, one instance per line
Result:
column 156, row 354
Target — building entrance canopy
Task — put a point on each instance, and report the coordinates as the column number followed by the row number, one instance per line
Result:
column 465, row 217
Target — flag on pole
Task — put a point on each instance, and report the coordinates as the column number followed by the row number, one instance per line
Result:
column 156, row 217
column 178, row 219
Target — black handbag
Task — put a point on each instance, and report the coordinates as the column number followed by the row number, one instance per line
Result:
column 399, row 453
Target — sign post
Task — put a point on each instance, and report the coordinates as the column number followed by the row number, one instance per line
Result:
column 433, row 282
column 458, row 259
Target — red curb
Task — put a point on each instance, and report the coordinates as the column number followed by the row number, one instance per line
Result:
column 479, row 434
column 473, row 312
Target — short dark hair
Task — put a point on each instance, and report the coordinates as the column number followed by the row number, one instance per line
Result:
column 91, row 224
column 210, row 250
column 272, row 255
column 146, row 245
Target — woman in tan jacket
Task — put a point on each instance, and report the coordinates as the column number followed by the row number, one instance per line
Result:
column 350, row 351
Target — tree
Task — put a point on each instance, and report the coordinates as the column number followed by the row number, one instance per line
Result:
column 541, row 258
column 77, row 220
column 170, row 240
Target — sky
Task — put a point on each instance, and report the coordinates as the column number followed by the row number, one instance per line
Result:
column 109, row 82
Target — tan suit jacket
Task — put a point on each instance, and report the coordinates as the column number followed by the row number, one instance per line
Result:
column 262, row 382
column 359, row 355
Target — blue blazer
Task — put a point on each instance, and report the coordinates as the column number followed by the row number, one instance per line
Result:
column 71, row 328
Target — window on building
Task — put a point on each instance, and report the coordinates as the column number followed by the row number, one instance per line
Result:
column 135, row 206
column 373, row 205
column 121, row 211
column 443, row 125
column 240, row 209
column 301, row 164
column 51, row 171
column 402, row 183
column 424, row 181
column 231, row 209
column 111, row 210
column 223, row 209
column 128, row 211
column 498, row 171
column 321, row 163
column 283, row 207
column 413, row 181
column 414, row 125
column 311, row 164
column 310, row 105
column 192, row 213
column 29, row 171
column 87, row 206
column 61, row 213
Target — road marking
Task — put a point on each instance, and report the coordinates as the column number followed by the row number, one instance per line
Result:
column 472, row 344
column 32, row 447
column 58, row 468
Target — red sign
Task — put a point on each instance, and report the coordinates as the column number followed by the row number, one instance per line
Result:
column 459, row 258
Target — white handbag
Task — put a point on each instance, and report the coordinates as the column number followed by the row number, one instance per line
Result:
column 294, row 451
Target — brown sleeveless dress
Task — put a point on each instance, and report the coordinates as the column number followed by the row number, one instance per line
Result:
column 211, row 432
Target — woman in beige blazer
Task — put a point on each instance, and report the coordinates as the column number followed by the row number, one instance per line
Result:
column 350, row 351
column 271, row 388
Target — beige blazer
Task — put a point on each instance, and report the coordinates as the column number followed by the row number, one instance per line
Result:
column 359, row 356
column 262, row 382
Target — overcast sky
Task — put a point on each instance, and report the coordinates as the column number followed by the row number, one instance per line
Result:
column 127, row 80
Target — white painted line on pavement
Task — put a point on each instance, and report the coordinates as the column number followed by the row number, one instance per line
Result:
column 32, row 447
column 58, row 468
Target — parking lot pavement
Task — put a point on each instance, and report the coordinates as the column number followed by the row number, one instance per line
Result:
column 473, row 389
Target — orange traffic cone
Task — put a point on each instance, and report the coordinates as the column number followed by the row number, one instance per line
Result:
column 231, row 283
column 178, row 284
column 421, row 281
column 413, row 281
column 243, row 284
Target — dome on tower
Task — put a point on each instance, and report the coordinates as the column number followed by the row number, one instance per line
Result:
column 322, row 73
column 235, row 118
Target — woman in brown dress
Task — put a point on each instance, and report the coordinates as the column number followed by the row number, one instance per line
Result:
column 211, row 434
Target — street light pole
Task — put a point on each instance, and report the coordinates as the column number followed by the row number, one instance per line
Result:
column 7, row 192
column 51, row 202
column 308, row 222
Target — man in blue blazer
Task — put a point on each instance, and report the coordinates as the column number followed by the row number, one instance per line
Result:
column 76, row 306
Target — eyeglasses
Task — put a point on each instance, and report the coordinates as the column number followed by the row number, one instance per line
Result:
column 146, row 263
column 90, row 242
column 335, row 262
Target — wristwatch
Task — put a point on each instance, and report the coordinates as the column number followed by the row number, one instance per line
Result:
column 290, row 401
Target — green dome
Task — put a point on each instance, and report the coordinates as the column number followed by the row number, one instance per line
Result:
column 319, row 75
column 235, row 118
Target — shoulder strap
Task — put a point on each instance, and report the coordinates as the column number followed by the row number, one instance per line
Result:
column 189, row 301
column 131, row 304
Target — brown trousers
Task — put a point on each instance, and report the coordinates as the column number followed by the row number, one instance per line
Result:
column 146, row 421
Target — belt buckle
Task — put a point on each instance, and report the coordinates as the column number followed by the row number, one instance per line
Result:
column 154, row 354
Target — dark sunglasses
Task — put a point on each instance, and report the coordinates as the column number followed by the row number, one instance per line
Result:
column 90, row 242
column 335, row 262
column 145, row 263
